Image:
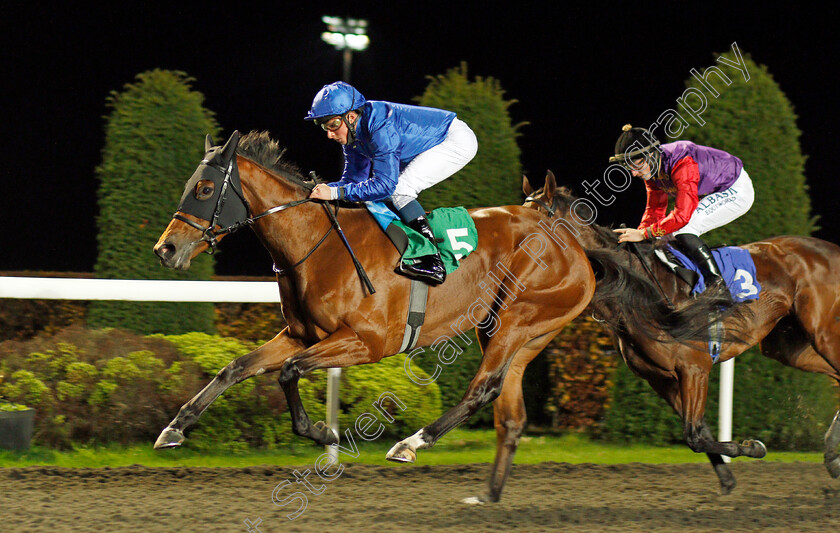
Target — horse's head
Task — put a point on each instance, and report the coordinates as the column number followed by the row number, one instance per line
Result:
column 560, row 202
column 212, row 206
column 550, row 199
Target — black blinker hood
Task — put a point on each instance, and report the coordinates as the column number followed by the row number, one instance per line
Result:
column 225, row 207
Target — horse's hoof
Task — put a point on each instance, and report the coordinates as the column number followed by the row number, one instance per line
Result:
column 756, row 448
column 727, row 488
column 326, row 434
column 833, row 467
column 401, row 453
column 169, row 438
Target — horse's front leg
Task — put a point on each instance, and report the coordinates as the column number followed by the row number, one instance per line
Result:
column 342, row 348
column 269, row 357
column 669, row 389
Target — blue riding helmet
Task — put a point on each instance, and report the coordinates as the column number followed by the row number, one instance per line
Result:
column 335, row 99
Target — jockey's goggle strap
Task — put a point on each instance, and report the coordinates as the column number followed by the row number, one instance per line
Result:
column 635, row 154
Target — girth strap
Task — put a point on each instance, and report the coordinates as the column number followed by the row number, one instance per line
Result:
column 416, row 314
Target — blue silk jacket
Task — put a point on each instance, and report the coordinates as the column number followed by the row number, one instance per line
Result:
column 388, row 137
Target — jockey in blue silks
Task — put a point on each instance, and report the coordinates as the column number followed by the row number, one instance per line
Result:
column 392, row 152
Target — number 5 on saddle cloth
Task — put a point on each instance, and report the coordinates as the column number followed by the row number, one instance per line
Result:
column 453, row 227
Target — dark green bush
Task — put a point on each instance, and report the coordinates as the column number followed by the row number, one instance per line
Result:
column 494, row 176
column 153, row 142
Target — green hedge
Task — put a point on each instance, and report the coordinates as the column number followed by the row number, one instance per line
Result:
column 112, row 386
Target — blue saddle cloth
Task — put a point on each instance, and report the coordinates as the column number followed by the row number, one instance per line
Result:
column 737, row 268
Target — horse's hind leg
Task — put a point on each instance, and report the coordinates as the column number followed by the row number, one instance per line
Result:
column 267, row 358
column 485, row 387
column 832, row 441
column 693, row 386
column 509, row 418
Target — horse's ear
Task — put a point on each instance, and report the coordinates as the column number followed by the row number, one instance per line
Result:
column 230, row 146
column 550, row 184
column 208, row 143
column 526, row 186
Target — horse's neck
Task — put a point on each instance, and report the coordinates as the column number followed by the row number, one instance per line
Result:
column 290, row 234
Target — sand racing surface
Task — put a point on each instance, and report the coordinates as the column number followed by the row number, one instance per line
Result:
column 770, row 496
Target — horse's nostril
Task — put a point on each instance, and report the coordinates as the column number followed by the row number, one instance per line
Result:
column 165, row 251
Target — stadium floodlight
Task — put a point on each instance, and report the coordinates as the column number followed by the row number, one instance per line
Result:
column 348, row 35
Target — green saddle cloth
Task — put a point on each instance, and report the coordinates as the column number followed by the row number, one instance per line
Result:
column 455, row 231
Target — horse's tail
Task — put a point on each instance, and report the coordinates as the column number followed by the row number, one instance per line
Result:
column 626, row 300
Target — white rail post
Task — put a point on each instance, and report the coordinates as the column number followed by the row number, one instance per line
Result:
column 727, row 389
column 333, row 379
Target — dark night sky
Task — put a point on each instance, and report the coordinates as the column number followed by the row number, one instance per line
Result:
column 578, row 74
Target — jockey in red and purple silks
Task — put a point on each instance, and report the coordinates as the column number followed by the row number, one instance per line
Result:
column 710, row 189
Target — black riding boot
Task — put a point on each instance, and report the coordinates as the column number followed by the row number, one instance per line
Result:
column 429, row 267
column 698, row 251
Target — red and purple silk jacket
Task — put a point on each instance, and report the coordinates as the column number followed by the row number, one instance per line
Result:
column 688, row 172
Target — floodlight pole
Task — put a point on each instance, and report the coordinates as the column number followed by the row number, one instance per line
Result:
column 345, row 35
column 347, row 64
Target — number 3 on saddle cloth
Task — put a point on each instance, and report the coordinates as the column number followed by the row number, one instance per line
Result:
column 453, row 227
column 736, row 266
column 738, row 270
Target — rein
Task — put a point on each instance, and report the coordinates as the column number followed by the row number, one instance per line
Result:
column 210, row 235
column 634, row 249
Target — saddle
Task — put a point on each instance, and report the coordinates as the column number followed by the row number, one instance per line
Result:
column 457, row 238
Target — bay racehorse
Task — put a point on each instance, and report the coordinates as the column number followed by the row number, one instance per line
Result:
column 796, row 319
column 505, row 290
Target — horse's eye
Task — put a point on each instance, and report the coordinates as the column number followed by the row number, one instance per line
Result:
column 204, row 189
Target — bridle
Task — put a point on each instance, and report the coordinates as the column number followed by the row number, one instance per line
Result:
column 550, row 209
column 210, row 234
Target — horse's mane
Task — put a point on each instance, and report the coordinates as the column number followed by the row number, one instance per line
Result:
column 605, row 236
column 260, row 148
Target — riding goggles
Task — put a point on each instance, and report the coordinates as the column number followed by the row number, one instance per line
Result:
column 330, row 124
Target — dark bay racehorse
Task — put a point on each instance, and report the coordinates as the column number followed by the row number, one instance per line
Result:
column 504, row 290
column 796, row 319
